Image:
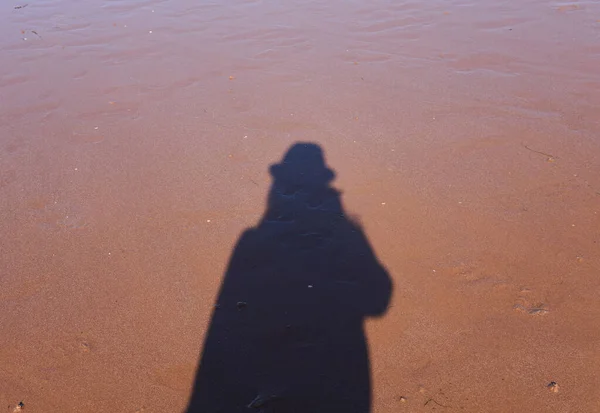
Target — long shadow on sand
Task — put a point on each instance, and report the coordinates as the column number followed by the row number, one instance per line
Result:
column 287, row 330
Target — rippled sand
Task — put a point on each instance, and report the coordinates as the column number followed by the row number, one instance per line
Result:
column 135, row 143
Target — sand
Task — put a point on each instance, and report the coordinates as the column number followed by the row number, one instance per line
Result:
column 137, row 141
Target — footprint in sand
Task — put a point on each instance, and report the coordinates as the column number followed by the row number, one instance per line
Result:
column 526, row 304
column 53, row 215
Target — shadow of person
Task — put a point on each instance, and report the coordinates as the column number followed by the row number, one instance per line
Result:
column 287, row 331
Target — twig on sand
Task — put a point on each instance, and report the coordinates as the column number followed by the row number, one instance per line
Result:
column 541, row 153
column 433, row 400
column 21, row 7
column 36, row 33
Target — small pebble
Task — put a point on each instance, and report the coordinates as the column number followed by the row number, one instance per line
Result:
column 553, row 387
column 402, row 399
column 241, row 305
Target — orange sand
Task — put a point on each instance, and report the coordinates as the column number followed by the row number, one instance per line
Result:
column 135, row 145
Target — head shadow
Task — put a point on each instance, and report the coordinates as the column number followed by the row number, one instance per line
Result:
column 287, row 334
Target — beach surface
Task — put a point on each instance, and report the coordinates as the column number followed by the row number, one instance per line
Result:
column 137, row 140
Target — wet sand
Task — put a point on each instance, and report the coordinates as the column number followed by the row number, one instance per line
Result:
column 135, row 146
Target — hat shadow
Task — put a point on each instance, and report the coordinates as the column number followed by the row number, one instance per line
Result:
column 287, row 331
